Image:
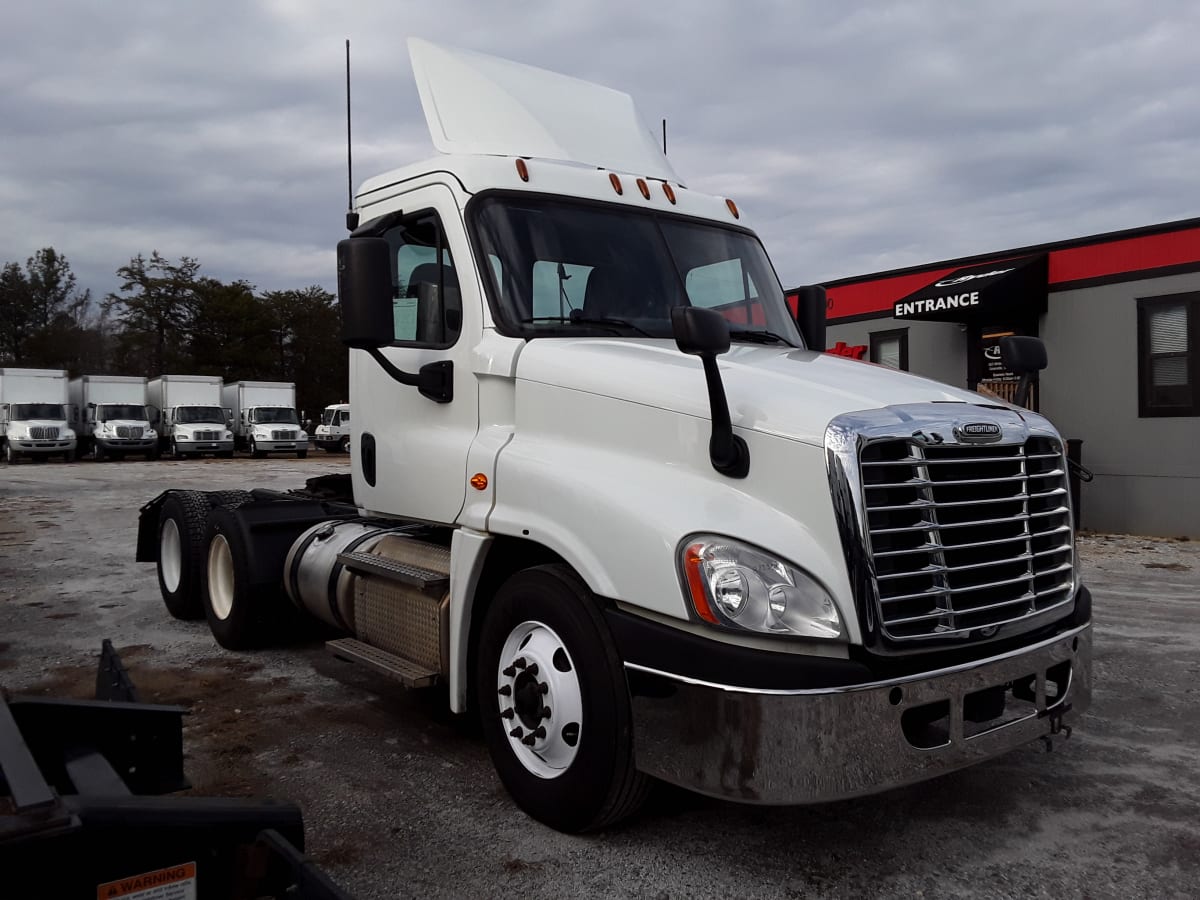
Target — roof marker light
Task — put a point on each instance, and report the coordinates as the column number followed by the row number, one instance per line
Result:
column 733, row 209
column 644, row 188
column 522, row 170
column 670, row 192
column 616, row 183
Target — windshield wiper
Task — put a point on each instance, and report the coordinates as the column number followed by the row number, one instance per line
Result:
column 574, row 319
column 757, row 336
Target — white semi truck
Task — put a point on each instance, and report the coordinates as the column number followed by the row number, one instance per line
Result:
column 109, row 413
column 264, row 417
column 34, row 414
column 334, row 431
column 612, row 495
column 191, row 418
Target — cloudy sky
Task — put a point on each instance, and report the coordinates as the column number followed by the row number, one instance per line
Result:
column 857, row 137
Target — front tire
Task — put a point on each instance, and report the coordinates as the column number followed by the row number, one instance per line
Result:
column 10, row 455
column 554, row 705
column 255, row 452
column 181, row 529
column 69, row 456
column 345, row 445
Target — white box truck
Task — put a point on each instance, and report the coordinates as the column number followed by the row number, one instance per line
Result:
column 34, row 415
column 191, row 418
column 611, row 493
column 110, row 416
column 264, row 418
column 334, row 431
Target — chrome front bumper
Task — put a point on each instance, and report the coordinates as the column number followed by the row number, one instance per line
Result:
column 808, row 746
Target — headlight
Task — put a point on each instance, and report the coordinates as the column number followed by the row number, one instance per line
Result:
column 228, row 435
column 734, row 585
column 150, row 433
column 183, row 436
column 303, row 436
column 68, row 433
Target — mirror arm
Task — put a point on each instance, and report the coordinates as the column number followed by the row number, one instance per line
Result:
column 728, row 452
column 433, row 380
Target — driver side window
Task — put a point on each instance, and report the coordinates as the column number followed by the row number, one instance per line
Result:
column 426, row 301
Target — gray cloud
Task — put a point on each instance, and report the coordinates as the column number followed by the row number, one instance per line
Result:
column 856, row 137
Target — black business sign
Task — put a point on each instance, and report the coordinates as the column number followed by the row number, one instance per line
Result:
column 1009, row 286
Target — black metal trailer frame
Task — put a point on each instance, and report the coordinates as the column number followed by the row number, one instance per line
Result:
column 82, row 812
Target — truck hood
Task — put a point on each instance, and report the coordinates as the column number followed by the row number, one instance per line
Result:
column 124, row 423
column 38, row 423
column 771, row 389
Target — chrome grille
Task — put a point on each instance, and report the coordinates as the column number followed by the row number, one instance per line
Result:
column 129, row 431
column 283, row 435
column 966, row 537
column 206, row 436
column 43, row 433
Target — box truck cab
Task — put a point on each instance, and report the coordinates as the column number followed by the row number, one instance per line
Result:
column 264, row 418
column 608, row 492
column 109, row 412
column 34, row 415
column 334, row 431
column 192, row 420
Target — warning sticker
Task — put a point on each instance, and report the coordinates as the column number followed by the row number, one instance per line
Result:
column 172, row 883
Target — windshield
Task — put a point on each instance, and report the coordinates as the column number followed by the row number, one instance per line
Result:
column 563, row 268
column 22, row 412
column 187, row 415
column 274, row 415
column 107, row 411
column 327, row 416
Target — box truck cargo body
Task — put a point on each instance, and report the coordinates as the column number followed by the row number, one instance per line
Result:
column 264, row 417
column 192, row 419
column 34, row 414
column 109, row 413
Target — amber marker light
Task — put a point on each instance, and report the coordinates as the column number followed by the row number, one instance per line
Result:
column 670, row 192
column 733, row 209
column 616, row 183
column 479, row 481
column 522, row 170
column 695, row 582
column 644, row 188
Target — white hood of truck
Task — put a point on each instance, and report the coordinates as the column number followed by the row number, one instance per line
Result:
column 771, row 389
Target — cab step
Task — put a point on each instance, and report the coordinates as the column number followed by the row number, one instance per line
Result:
column 405, row 671
column 427, row 580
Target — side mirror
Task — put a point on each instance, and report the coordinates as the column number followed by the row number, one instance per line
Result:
column 365, row 292
column 810, row 315
column 1024, row 356
column 705, row 333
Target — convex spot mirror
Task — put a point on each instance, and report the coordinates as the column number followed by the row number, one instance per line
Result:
column 365, row 292
column 1023, row 355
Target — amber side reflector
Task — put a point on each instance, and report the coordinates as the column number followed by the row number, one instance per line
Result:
column 695, row 581
column 644, row 188
column 479, row 481
column 733, row 208
column 522, row 170
column 670, row 192
column 616, row 183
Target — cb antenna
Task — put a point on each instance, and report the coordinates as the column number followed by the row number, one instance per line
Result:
column 351, row 215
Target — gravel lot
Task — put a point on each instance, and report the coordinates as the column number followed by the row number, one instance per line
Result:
column 400, row 799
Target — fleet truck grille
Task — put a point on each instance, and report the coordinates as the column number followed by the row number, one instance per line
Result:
column 43, row 433
column 966, row 537
column 129, row 431
column 283, row 435
column 206, row 436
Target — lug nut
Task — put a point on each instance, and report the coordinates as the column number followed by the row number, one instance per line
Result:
column 505, row 691
column 545, row 712
column 529, row 740
column 519, row 662
column 510, row 672
column 543, row 688
column 538, row 732
column 533, row 669
column 507, row 713
column 516, row 732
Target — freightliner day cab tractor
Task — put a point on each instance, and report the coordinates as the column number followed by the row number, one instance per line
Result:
column 608, row 493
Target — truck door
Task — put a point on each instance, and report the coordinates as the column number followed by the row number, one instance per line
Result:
column 409, row 453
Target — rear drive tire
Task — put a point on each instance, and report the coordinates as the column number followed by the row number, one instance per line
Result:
column 238, row 613
column 181, row 529
column 554, row 705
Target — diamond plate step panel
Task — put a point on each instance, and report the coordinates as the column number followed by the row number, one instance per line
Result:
column 408, row 673
column 427, row 580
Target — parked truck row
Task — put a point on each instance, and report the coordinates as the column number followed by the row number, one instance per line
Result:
column 44, row 413
column 607, row 490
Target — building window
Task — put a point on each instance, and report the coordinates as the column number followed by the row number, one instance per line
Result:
column 890, row 348
column 1168, row 369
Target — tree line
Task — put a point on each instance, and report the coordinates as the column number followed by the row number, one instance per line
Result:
column 169, row 318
